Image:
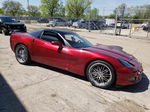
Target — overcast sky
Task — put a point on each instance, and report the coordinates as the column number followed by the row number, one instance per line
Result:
column 105, row 6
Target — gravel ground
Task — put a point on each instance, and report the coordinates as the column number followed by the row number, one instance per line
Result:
column 40, row 88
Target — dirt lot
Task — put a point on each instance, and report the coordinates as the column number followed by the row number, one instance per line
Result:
column 39, row 88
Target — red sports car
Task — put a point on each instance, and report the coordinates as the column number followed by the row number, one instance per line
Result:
column 102, row 65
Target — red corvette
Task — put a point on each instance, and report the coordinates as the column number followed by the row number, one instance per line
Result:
column 102, row 65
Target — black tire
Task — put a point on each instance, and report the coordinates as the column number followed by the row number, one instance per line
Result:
column 5, row 31
column 22, row 54
column 101, row 74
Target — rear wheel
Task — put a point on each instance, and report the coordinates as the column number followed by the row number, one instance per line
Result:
column 100, row 74
column 22, row 54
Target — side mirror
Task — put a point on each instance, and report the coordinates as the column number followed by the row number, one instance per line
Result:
column 57, row 43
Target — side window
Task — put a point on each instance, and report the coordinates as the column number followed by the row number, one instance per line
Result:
column 48, row 36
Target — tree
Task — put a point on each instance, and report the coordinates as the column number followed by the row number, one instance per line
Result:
column 121, row 9
column 33, row 10
column 147, row 11
column 49, row 7
column 136, row 12
column 77, row 8
column 61, row 10
column 94, row 13
column 1, row 11
column 112, row 16
column 12, row 8
column 142, row 12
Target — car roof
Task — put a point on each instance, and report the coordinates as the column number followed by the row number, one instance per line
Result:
column 59, row 31
column 5, row 16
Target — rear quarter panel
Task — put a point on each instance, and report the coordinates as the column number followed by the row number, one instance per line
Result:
column 20, row 38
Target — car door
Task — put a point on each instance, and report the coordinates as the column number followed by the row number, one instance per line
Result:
column 45, row 52
column 75, row 60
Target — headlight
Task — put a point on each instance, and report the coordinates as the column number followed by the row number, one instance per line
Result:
column 126, row 63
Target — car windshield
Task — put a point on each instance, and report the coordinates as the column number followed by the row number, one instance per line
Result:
column 8, row 19
column 76, row 41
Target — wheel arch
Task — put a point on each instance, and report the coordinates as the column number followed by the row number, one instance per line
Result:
column 22, row 44
column 102, row 60
column 19, row 44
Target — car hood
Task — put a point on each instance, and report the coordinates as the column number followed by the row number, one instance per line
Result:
column 114, row 51
column 13, row 23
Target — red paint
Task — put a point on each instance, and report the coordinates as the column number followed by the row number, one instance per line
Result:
column 75, row 60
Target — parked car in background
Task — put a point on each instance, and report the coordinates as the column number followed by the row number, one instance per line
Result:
column 43, row 20
column 80, row 24
column 110, row 22
column 8, row 24
column 57, row 22
column 95, row 24
column 146, row 26
column 70, row 22
column 111, row 25
column 124, row 24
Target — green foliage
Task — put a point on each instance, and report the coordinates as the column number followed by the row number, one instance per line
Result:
column 50, row 7
column 33, row 10
column 77, row 8
column 61, row 10
column 112, row 16
column 1, row 11
column 141, row 12
column 93, row 13
column 137, row 12
column 121, row 9
column 12, row 8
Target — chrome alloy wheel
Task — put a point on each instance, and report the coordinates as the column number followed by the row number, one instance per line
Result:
column 100, row 74
column 21, row 54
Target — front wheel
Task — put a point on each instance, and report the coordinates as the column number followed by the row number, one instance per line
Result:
column 101, row 74
column 22, row 54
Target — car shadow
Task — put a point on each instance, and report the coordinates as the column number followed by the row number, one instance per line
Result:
column 59, row 70
column 139, row 87
column 9, row 102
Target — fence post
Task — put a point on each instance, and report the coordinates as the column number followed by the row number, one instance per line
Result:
column 130, row 29
column 115, row 33
column 89, row 26
column 148, row 32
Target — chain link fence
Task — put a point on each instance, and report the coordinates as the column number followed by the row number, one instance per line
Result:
column 133, row 28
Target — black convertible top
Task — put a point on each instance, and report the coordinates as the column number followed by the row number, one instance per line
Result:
column 59, row 31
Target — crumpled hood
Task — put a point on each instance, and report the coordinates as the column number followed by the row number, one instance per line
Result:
column 114, row 51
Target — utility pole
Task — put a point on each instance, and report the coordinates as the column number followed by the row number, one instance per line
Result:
column 28, row 10
column 122, row 15
column 116, row 19
column 28, row 5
